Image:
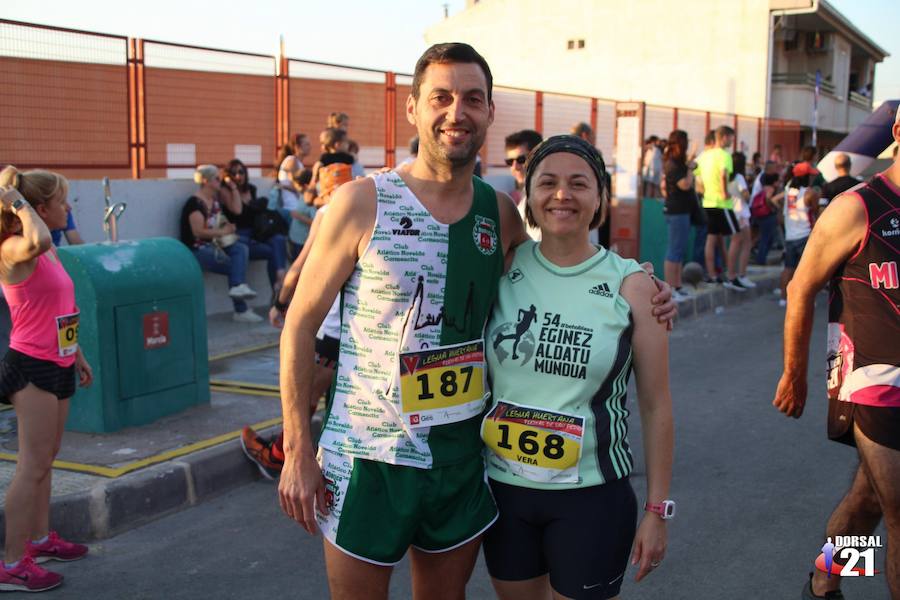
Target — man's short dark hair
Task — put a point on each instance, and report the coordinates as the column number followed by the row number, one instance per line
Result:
column 453, row 52
column 710, row 137
column 722, row 131
column 527, row 137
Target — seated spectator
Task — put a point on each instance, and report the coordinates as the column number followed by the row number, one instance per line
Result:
column 213, row 241
column 73, row 238
column 335, row 165
column 263, row 245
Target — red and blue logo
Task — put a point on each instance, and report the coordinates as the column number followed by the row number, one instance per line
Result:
column 847, row 549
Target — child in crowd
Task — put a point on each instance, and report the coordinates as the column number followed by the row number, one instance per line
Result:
column 335, row 165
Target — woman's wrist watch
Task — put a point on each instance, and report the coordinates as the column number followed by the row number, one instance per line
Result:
column 665, row 509
column 18, row 203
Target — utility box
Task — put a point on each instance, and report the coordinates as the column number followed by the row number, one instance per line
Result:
column 142, row 329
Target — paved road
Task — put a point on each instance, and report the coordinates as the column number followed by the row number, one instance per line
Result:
column 754, row 490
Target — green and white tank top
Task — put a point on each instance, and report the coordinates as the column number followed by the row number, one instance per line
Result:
column 410, row 386
column 559, row 354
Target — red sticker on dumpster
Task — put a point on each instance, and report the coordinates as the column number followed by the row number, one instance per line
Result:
column 156, row 330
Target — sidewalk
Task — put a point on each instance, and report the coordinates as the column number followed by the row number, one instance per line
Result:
column 105, row 484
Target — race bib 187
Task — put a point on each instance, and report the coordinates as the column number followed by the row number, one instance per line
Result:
column 442, row 385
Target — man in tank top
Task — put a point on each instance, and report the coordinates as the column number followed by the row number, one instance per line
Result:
column 856, row 245
column 415, row 255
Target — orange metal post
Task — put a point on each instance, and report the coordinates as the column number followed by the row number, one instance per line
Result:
column 539, row 112
column 132, row 109
column 594, row 115
column 141, row 106
column 390, row 119
column 707, row 123
column 279, row 133
column 674, row 118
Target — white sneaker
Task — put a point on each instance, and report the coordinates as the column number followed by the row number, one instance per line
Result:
column 746, row 282
column 680, row 296
column 248, row 316
column 241, row 292
column 782, row 303
column 734, row 284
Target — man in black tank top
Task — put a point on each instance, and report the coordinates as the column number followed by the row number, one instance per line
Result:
column 856, row 245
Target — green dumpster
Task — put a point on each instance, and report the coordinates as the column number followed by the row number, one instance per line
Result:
column 142, row 329
column 654, row 234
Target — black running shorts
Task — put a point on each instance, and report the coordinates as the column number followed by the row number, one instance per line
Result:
column 721, row 221
column 17, row 370
column 327, row 351
column 881, row 424
column 581, row 537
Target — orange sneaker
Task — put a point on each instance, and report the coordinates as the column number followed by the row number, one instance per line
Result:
column 259, row 451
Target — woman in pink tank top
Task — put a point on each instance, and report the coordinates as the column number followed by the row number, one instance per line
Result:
column 37, row 375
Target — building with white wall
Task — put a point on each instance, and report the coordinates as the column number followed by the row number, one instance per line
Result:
column 755, row 58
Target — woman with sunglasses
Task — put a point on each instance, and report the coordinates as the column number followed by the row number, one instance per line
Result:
column 38, row 373
column 274, row 247
column 570, row 320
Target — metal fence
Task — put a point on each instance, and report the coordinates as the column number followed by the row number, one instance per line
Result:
column 89, row 104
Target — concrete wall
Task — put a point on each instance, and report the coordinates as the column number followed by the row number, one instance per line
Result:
column 703, row 54
column 154, row 209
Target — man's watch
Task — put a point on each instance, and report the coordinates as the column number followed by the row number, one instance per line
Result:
column 18, row 203
column 665, row 509
column 281, row 306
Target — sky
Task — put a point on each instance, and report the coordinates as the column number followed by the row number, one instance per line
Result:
column 382, row 34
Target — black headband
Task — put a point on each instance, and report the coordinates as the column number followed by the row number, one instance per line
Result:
column 566, row 143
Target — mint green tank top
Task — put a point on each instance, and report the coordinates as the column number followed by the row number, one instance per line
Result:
column 558, row 347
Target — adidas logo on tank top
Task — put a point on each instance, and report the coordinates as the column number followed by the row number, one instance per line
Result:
column 601, row 289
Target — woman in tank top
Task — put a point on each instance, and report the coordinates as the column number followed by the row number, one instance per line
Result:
column 37, row 375
column 569, row 320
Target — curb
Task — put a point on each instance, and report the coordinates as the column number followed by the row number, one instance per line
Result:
column 719, row 296
column 114, row 506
